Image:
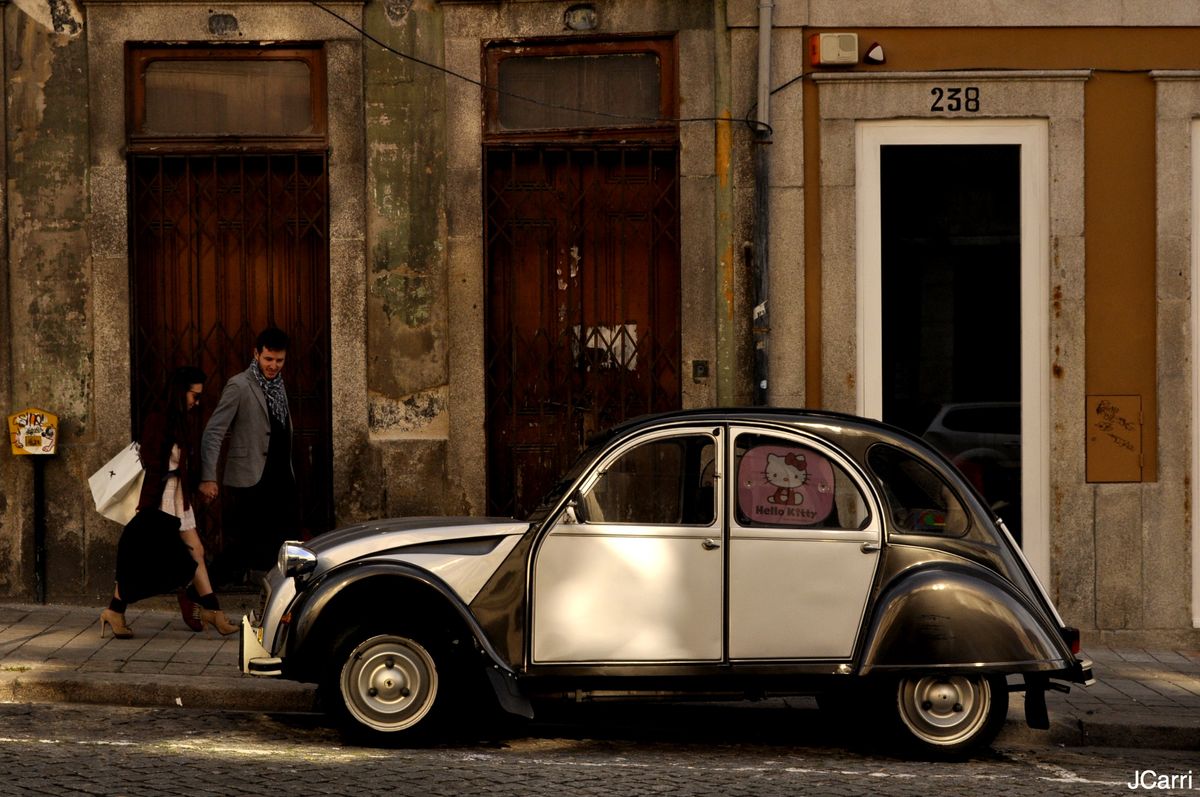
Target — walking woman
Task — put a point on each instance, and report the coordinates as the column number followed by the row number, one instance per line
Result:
column 170, row 454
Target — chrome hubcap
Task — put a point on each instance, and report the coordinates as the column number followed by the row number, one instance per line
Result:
column 944, row 710
column 389, row 683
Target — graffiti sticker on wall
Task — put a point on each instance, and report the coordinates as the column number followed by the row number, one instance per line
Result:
column 785, row 485
column 607, row 347
column 33, row 431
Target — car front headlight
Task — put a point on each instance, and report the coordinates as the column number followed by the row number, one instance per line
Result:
column 296, row 561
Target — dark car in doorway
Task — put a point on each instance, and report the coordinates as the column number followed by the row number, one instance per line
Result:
column 709, row 552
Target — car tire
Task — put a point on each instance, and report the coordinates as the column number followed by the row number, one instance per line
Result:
column 948, row 715
column 390, row 687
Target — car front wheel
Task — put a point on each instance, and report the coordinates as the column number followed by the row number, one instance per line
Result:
column 388, row 687
column 946, row 715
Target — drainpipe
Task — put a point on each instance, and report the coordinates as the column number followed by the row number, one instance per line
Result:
column 762, row 206
column 723, row 169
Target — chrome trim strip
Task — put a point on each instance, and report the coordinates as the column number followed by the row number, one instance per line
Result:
column 1032, row 576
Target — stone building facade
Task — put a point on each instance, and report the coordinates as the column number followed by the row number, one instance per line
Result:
column 943, row 211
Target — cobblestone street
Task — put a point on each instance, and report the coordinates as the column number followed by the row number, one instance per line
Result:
column 100, row 750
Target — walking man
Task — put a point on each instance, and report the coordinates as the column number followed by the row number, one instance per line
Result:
column 261, row 509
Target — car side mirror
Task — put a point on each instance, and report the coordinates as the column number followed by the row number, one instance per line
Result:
column 573, row 514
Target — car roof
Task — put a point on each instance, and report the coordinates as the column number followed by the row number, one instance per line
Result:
column 787, row 415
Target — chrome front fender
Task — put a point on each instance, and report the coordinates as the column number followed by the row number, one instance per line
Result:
column 316, row 619
column 960, row 618
column 311, row 609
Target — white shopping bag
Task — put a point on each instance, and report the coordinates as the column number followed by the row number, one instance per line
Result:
column 117, row 486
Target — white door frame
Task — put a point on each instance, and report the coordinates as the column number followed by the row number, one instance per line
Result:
column 1032, row 135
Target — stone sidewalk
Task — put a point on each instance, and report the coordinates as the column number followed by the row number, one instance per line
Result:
column 55, row 654
column 1142, row 698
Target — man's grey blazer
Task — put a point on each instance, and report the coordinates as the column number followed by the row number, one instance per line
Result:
column 241, row 415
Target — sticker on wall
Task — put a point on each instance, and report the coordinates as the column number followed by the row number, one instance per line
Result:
column 1114, row 438
column 606, row 347
column 785, row 485
column 33, row 431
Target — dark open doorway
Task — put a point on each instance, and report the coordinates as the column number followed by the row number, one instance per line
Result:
column 951, row 249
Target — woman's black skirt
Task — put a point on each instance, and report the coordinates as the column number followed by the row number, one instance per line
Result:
column 151, row 556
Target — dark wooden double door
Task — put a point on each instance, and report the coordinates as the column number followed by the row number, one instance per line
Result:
column 224, row 245
column 583, row 304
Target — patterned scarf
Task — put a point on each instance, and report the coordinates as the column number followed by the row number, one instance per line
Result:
column 273, row 390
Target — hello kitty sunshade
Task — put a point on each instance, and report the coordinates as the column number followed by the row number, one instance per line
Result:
column 785, row 485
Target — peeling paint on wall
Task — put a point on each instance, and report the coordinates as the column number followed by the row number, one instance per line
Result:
column 49, row 273
column 405, row 298
column 422, row 415
column 396, row 9
column 48, row 276
column 406, row 186
column 60, row 16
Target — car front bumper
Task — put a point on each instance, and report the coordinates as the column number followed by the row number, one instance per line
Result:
column 253, row 658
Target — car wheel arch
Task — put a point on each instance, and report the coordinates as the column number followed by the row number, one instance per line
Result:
column 345, row 596
column 958, row 616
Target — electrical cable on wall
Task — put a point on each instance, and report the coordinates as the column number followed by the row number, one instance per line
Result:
column 754, row 124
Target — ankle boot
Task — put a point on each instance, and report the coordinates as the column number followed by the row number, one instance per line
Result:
column 115, row 621
column 217, row 620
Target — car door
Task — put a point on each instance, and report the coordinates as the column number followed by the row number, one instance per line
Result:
column 635, row 572
column 804, row 543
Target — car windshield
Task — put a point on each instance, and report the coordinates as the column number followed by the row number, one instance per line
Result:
column 581, row 464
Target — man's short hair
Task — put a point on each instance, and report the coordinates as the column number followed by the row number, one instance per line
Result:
column 272, row 338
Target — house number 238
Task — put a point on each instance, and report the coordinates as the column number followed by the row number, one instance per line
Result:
column 951, row 99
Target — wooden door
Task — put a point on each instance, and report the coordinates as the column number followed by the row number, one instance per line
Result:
column 223, row 246
column 582, row 304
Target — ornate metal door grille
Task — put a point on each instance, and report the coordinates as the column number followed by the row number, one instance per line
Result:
column 583, row 327
column 223, row 245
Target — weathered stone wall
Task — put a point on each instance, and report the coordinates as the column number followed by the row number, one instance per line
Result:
column 64, row 305
column 10, row 483
column 407, row 300
column 47, row 310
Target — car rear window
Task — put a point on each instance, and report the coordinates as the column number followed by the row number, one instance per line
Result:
column 919, row 500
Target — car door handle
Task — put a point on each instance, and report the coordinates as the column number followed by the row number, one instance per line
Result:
column 710, row 544
column 870, row 547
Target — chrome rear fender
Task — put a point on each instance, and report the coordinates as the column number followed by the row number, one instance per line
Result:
column 962, row 618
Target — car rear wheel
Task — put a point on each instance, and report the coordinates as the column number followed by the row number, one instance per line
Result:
column 950, row 714
column 389, row 687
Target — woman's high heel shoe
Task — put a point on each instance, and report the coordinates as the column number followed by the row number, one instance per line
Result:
column 115, row 621
column 190, row 611
column 218, row 620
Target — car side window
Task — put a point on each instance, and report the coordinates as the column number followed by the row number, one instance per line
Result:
column 783, row 483
column 668, row 481
column 920, row 501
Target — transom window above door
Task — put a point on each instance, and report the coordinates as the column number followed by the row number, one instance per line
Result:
column 206, row 93
column 580, row 85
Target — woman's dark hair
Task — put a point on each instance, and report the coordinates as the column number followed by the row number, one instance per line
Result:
column 175, row 399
